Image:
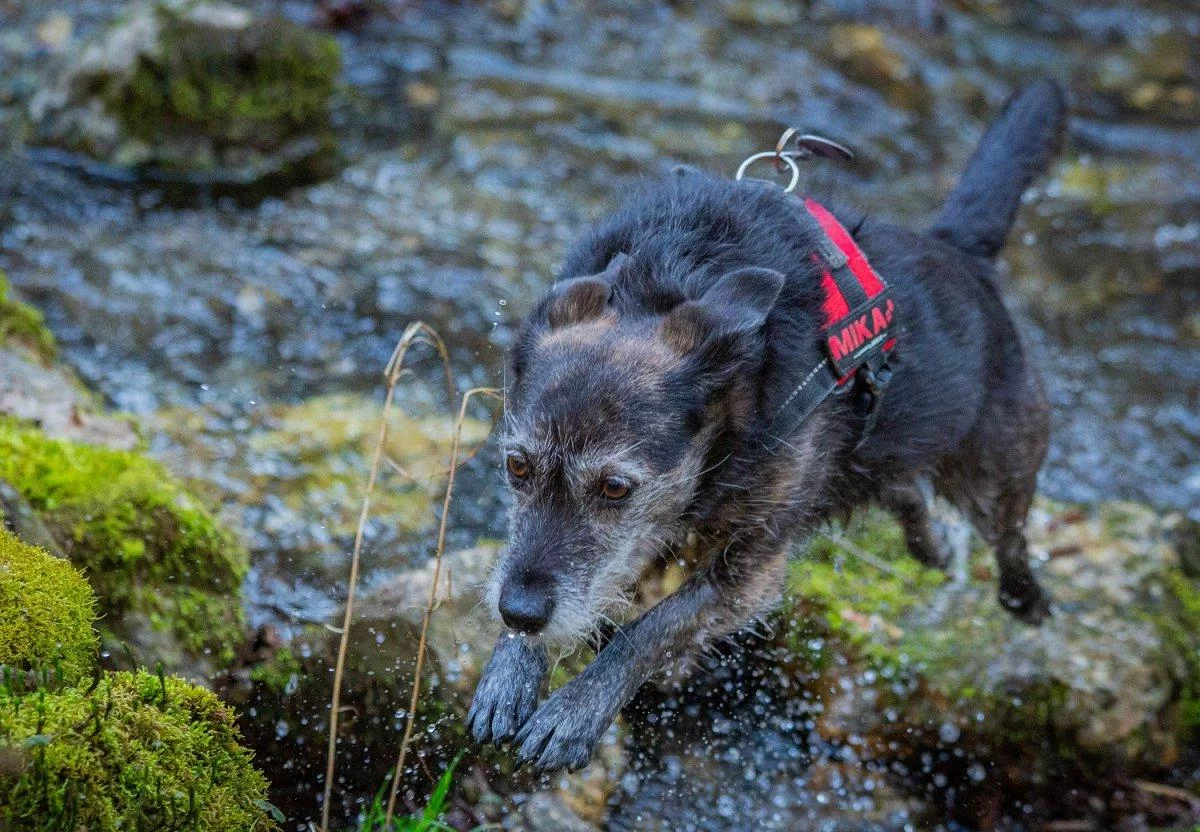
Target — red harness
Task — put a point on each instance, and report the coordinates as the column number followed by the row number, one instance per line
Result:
column 858, row 331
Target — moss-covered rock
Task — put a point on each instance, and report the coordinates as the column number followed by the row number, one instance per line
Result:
column 35, row 388
column 198, row 89
column 46, row 614
column 133, row 752
column 314, row 458
column 154, row 555
column 899, row 697
column 24, row 326
column 238, row 81
column 927, row 673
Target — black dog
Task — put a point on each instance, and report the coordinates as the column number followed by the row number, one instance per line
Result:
column 660, row 392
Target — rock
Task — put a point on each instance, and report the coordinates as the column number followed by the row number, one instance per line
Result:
column 864, row 53
column 35, row 388
column 23, row 326
column 922, row 674
column 167, row 575
column 546, row 812
column 55, row 31
column 53, row 398
column 764, row 13
column 197, row 91
column 133, row 751
column 47, row 612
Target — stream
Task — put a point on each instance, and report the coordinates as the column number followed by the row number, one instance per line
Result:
column 477, row 140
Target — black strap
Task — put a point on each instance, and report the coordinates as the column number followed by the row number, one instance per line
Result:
column 820, row 382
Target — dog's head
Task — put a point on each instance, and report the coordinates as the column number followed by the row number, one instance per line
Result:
column 611, row 424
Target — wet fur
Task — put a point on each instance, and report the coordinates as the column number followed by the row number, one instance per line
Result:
column 680, row 325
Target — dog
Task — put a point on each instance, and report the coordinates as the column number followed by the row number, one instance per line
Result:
column 659, row 393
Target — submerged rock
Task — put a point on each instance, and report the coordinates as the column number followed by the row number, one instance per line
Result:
column 1158, row 76
column 196, row 91
column 864, row 53
column 314, row 459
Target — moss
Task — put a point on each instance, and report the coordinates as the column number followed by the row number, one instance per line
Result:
column 836, row 593
column 280, row 673
column 1093, row 184
column 24, row 325
column 133, row 752
column 142, row 541
column 1179, row 624
column 257, row 85
column 48, row 609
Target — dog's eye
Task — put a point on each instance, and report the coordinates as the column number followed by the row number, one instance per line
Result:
column 518, row 466
column 615, row 488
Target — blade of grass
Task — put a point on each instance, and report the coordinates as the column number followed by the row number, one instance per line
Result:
column 437, row 800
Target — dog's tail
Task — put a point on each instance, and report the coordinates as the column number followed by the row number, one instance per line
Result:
column 1016, row 148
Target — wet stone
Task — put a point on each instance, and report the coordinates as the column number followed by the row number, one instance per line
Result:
column 193, row 91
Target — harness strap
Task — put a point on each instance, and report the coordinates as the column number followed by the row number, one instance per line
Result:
column 857, row 332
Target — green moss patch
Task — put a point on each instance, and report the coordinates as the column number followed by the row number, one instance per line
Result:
column 142, row 541
column 1179, row 621
column 255, row 84
column 48, row 608
column 134, row 752
column 857, row 584
column 22, row 324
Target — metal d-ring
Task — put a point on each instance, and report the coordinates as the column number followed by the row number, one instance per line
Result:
column 781, row 145
column 777, row 156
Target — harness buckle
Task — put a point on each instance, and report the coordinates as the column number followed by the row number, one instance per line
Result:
column 869, row 387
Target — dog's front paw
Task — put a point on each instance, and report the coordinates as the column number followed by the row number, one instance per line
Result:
column 565, row 731
column 507, row 693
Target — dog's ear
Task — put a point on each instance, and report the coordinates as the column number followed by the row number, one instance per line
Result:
column 737, row 304
column 580, row 299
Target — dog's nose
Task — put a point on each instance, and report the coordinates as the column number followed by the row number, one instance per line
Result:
column 525, row 608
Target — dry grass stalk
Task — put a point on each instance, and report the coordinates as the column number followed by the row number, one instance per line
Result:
column 410, row 717
column 416, row 333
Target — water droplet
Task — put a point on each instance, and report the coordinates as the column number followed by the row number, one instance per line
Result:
column 949, row 732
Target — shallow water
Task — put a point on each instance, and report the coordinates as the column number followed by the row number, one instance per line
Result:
column 478, row 140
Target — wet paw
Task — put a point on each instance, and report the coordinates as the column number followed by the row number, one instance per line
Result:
column 564, row 732
column 507, row 693
column 1027, row 602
